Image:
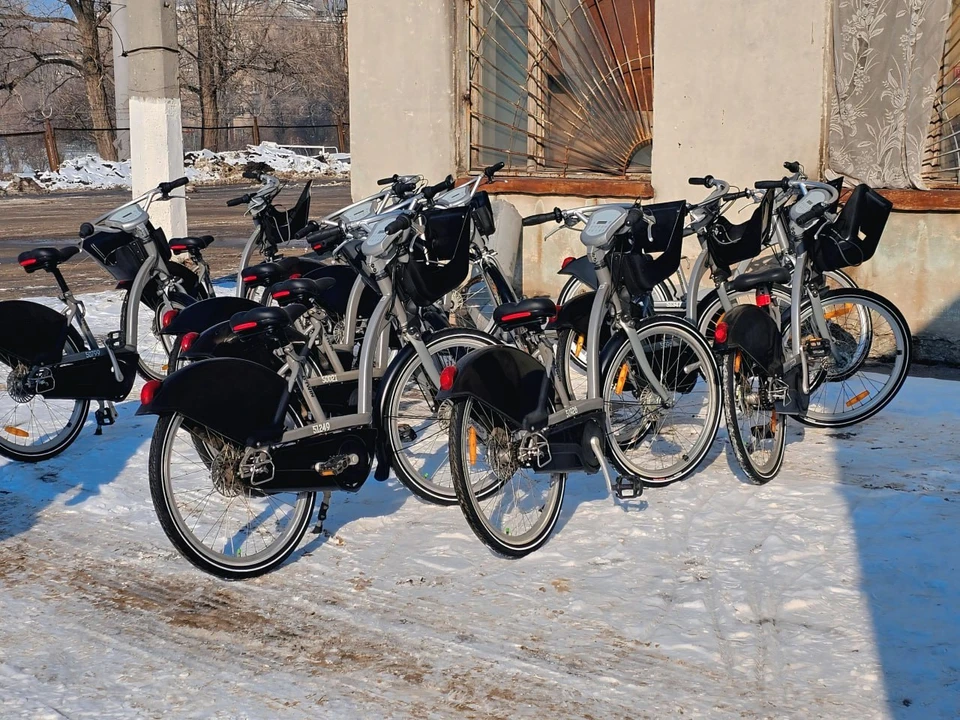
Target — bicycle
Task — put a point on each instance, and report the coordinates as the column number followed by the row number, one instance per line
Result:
column 768, row 378
column 653, row 401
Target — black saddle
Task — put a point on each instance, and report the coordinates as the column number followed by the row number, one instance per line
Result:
column 301, row 290
column 532, row 311
column 770, row 276
column 190, row 244
column 265, row 318
column 45, row 258
column 267, row 274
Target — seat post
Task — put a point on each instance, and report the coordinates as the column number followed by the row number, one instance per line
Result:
column 58, row 276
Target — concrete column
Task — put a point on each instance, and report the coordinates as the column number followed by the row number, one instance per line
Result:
column 402, row 102
column 156, row 133
column 121, row 77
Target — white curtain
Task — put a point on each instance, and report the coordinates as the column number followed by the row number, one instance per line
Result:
column 887, row 56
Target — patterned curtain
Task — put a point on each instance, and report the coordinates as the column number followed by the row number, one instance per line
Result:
column 887, row 56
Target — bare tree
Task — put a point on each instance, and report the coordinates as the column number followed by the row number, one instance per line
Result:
column 68, row 36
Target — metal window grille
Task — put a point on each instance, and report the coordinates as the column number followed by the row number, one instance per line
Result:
column 941, row 162
column 562, row 87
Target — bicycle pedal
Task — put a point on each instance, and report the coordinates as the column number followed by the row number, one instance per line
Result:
column 816, row 348
column 628, row 488
column 407, row 434
column 336, row 465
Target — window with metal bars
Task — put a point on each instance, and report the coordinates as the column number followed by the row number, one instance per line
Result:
column 941, row 162
column 562, row 87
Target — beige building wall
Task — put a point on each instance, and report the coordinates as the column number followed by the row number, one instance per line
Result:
column 402, row 104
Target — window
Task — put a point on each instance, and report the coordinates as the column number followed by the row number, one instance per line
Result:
column 561, row 87
column 941, row 163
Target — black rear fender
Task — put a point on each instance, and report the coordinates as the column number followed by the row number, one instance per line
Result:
column 203, row 315
column 582, row 269
column 503, row 378
column 238, row 399
column 31, row 333
column 753, row 331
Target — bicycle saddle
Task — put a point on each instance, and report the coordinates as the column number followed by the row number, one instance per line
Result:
column 770, row 276
column 266, row 318
column 184, row 244
column 301, row 290
column 531, row 311
column 45, row 258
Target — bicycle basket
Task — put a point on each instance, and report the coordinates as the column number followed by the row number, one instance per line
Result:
column 854, row 237
column 729, row 244
column 280, row 226
column 483, row 214
column 424, row 281
column 120, row 254
column 635, row 268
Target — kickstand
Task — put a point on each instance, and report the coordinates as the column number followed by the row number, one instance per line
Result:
column 623, row 488
column 105, row 415
column 322, row 513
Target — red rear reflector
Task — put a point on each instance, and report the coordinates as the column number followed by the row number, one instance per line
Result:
column 447, row 376
column 281, row 294
column 763, row 299
column 294, row 276
column 28, row 262
column 720, row 332
column 168, row 317
column 566, row 261
column 244, row 326
column 178, row 248
column 250, row 278
column 515, row 316
column 187, row 342
column 149, row 391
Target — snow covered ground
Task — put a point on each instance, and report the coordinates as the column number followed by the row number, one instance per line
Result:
column 92, row 172
column 832, row 592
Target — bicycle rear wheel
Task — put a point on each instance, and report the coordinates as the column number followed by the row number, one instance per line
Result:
column 757, row 433
column 512, row 509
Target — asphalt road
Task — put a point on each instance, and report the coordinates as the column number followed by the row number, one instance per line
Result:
column 30, row 221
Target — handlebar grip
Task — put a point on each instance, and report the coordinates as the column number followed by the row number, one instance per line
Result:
column 86, row 230
column 167, row 187
column 792, row 166
column 251, row 174
column 772, row 184
column 556, row 215
column 431, row 191
column 494, row 169
column 706, row 181
column 311, row 227
column 402, row 188
column 812, row 213
column 401, row 223
column 242, row 200
column 735, row 196
column 388, row 181
column 321, row 239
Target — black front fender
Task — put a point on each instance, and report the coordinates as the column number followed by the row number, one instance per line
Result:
column 582, row 269
column 200, row 316
column 31, row 333
column 235, row 398
column 501, row 377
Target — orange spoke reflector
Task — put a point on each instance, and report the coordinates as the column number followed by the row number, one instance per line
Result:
column 16, row 432
column 622, row 378
column 857, row 398
column 773, row 421
column 837, row 312
column 472, row 439
column 580, row 339
column 736, row 362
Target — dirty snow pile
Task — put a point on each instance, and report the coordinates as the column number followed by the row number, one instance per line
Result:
column 93, row 172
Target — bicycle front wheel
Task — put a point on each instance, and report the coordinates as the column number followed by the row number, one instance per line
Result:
column 872, row 356
column 661, row 439
column 416, row 433
column 512, row 509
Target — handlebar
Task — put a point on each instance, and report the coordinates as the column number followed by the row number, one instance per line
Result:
column 431, row 191
column 729, row 197
column 311, row 227
column 812, row 213
column 783, row 184
column 401, row 223
column 704, row 181
column 556, row 215
column 320, row 240
column 166, row 188
column 389, row 180
column 493, row 170
column 242, row 200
